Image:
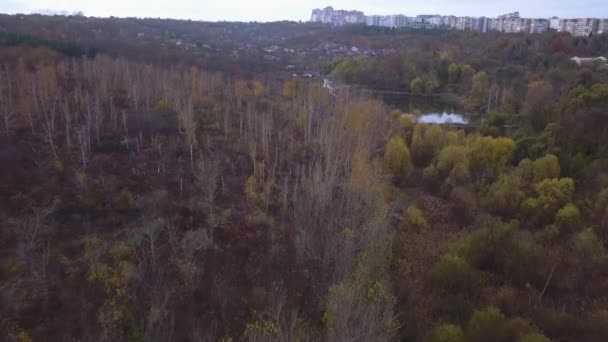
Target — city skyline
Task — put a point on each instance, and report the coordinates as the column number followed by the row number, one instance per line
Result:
column 298, row 10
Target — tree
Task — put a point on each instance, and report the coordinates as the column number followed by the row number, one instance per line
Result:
column 537, row 106
column 431, row 83
column 551, row 195
column 397, row 159
column 450, row 157
column 427, row 141
column 568, row 218
column 476, row 101
column 190, row 126
column 489, row 157
column 417, row 86
column 6, row 99
column 505, row 196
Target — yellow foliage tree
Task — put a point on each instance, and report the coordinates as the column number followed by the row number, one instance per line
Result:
column 397, row 159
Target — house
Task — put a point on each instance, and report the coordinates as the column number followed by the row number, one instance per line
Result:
column 602, row 62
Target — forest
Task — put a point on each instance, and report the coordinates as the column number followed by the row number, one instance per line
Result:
column 157, row 193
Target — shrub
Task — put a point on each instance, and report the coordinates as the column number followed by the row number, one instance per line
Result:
column 453, row 274
column 505, row 196
column 125, row 201
column 446, row 333
column 465, row 204
column 551, row 195
column 486, row 325
column 595, row 326
column 534, row 337
column 491, row 325
column 501, row 249
column 414, row 219
column 588, row 246
column 458, row 284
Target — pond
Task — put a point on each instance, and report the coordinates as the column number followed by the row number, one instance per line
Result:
column 443, row 118
column 433, row 109
column 430, row 110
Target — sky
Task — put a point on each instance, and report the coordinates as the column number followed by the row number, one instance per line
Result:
column 273, row 10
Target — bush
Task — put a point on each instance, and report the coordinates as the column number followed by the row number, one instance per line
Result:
column 491, row 325
column 446, row 333
column 465, row 204
column 505, row 196
column 595, row 326
column 414, row 219
column 588, row 246
column 551, row 195
column 535, row 337
column 453, row 274
column 502, row 250
column 486, row 325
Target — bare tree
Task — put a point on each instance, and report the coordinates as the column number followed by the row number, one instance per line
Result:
column 6, row 99
column 33, row 249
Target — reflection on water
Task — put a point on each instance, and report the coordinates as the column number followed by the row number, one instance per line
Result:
column 443, row 118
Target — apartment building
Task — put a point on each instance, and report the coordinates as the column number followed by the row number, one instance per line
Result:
column 508, row 23
column 602, row 26
column 337, row 17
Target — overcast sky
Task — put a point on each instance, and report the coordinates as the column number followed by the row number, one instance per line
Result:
column 271, row 10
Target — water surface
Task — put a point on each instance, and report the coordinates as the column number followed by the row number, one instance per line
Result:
column 443, row 118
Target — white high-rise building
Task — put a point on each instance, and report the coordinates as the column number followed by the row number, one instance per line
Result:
column 602, row 27
column 554, row 23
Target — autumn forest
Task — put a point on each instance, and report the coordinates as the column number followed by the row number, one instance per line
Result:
column 167, row 180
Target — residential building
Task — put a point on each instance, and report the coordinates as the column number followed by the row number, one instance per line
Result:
column 337, row 17
column 585, row 27
column 508, row 23
column 602, row 27
column 600, row 62
column 539, row 25
column 554, row 23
